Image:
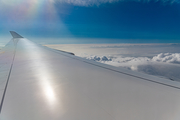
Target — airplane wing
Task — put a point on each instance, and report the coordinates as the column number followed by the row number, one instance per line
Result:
column 39, row 83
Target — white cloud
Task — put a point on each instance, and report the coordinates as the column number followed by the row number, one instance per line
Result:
column 167, row 57
column 99, row 59
column 162, row 57
column 87, row 2
column 99, row 2
column 164, row 64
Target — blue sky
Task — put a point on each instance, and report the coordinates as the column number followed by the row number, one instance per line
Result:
column 131, row 21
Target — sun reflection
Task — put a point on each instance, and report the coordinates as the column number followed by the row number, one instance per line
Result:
column 43, row 74
column 46, row 83
column 49, row 93
column 45, row 78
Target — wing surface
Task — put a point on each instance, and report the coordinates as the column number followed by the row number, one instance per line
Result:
column 39, row 83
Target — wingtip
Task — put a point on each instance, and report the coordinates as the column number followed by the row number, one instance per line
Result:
column 15, row 35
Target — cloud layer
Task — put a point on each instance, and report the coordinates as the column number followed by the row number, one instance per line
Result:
column 162, row 57
column 99, row 2
column 165, row 65
column 167, row 57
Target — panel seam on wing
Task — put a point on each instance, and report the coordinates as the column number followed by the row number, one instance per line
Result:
column 4, row 93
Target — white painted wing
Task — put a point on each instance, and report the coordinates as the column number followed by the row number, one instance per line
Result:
column 38, row 83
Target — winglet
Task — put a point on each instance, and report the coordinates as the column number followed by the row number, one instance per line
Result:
column 15, row 35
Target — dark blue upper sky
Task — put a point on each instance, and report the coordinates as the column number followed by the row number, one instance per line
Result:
column 135, row 21
column 125, row 20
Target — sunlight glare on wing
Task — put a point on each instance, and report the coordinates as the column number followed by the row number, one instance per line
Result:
column 50, row 93
column 44, row 77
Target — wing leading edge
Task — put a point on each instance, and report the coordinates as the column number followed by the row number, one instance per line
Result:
column 47, row 84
